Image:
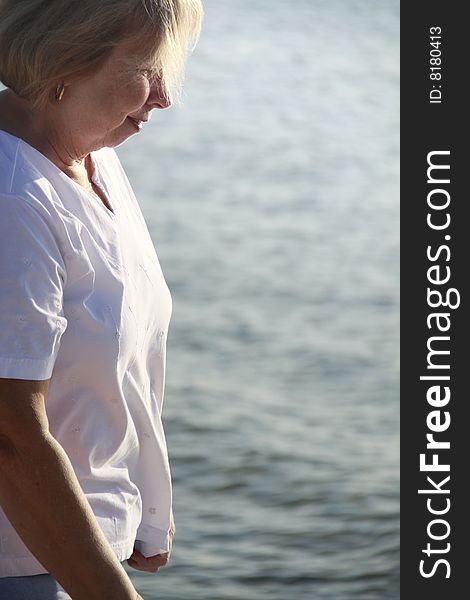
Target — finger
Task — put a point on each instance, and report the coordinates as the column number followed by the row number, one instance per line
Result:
column 138, row 560
column 159, row 560
column 153, row 571
column 139, row 567
column 138, row 556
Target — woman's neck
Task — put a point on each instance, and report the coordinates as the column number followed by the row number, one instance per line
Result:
column 39, row 130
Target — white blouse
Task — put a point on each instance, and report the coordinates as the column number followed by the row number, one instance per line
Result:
column 83, row 301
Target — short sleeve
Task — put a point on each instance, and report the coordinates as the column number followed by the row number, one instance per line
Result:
column 32, row 278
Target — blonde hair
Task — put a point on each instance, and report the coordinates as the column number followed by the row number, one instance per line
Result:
column 43, row 42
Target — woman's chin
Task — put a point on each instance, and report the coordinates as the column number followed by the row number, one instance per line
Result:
column 118, row 137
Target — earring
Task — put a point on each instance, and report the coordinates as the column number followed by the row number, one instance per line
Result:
column 59, row 91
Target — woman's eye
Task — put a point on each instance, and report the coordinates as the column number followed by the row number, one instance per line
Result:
column 146, row 73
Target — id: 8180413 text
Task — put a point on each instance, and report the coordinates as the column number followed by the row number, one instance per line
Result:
column 435, row 65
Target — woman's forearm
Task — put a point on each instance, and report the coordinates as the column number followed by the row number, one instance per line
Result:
column 44, row 502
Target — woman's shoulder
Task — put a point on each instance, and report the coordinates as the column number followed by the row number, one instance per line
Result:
column 17, row 164
column 28, row 195
column 27, row 175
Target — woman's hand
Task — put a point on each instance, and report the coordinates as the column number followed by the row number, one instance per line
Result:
column 152, row 564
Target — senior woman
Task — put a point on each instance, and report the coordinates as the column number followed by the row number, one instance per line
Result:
column 84, row 308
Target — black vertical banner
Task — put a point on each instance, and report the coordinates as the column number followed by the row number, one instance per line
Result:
column 435, row 268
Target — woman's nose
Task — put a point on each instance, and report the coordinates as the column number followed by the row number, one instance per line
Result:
column 159, row 96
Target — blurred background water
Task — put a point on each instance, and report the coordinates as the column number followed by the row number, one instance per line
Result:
column 272, row 198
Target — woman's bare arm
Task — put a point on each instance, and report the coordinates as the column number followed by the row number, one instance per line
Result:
column 44, row 502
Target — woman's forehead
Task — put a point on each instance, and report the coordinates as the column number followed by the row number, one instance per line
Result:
column 129, row 53
column 134, row 50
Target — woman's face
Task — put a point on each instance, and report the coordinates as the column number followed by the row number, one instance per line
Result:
column 114, row 103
